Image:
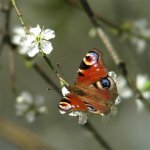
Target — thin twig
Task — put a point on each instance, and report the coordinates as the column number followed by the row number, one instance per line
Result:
column 113, row 53
column 19, row 16
column 121, row 30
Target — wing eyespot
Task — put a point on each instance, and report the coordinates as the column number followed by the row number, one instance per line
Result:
column 90, row 108
column 91, row 58
column 65, row 105
column 104, row 83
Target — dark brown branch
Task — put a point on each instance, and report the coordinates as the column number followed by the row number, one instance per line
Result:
column 97, row 136
column 6, row 38
column 12, row 69
column 113, row 53
column 89, row 12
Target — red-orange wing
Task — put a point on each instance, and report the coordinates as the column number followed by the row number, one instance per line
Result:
column 91, row 68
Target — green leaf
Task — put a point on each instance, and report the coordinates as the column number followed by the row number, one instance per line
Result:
column 146, row 86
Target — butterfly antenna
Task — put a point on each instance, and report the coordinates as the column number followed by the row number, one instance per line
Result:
column 61, row 71
column 62, row 81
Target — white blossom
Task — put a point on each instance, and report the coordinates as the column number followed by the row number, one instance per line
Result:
column 141, row 80
column 140, row 31
column 140, row 105
column 92, row 33
column 64, row 91
column 124, row 91
column 18, row 32
column 29, row 107
column 82, row 116
column 140, row 44
column 140, row 27
column 113, row 75
column 36, row 41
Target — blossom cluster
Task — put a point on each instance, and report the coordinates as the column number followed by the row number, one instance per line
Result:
column 140, row 31
column 37, row 40
column 29, row 107
column 143, row 85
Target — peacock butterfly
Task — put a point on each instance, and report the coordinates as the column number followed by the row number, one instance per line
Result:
column 94, row 91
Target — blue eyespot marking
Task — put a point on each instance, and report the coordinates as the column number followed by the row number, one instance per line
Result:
column 90, row 108
column 105, row 83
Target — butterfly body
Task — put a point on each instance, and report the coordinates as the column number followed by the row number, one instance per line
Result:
column 94, row 90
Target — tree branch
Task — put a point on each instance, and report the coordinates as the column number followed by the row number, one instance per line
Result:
column 5, row 38
column 97, row 136
column 101, row 19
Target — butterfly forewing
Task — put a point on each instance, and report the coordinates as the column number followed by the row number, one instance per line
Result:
column 91, row 68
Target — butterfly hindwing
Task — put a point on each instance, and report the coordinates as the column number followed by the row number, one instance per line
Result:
column 72, row 102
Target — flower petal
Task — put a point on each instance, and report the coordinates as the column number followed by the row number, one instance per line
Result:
column 146, row 94
column 33, row 50
column 113, row 75
column 30, row 116
column 19, row 31
column 82, row 116
column 48, row 34
column 46, row 47
column 117, row 100
column 27, row 97
column 36, row 30
column 23, row 50
column 27, row 40
column 42, row 110
column 140, row 105
column 64, row 91
column 126, row 93
column 16, row 39
column 141, row 80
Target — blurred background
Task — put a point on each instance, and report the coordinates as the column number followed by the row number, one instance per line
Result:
column 129, row 129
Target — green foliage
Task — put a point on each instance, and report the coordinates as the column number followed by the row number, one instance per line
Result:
column 146, row 86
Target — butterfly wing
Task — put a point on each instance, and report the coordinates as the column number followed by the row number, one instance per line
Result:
column 94, row 89
column 91, row 68
column 94, row 80
column 72, row 102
